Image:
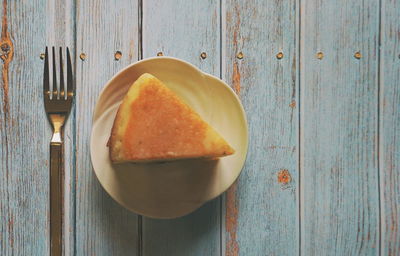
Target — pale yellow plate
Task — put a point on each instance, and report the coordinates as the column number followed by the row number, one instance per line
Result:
column 169, row 190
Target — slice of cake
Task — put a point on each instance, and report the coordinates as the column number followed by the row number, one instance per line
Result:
column 154, row 124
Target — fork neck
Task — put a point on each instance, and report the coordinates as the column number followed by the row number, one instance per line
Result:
column 58, row 123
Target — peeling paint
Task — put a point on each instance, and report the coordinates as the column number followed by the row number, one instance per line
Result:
column 7, row 53
column 131, row 49
column 236, row 78
column 231, row 220
column 236, row 36
column 232, row 205
column 10, row 226
column 236, row 28
column 289, row 148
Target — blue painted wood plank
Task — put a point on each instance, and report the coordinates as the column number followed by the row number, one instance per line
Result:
column 389, row 162
column 339, row 127
column 261, row 210
column 25, row 131
column 103, row 27
column 184, row 29
column 23, row 171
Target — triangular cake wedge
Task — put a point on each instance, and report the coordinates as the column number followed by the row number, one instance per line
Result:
column 154, row 124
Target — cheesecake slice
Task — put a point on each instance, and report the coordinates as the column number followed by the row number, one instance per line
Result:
column 154, row 124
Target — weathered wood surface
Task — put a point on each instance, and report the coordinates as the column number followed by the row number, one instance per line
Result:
column 27, row 26
column 322, row 173
column 261, row 209
column 339, row 128
column 389, row 128
column 184, row 29
column 103, row 27
column 23, row 151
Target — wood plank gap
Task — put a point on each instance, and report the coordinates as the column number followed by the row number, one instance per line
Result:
column 300, row 143
column 74, row 135
column 378, row 144
column 140, row 31
column 73, row 171
column 140, row 236
column 222, row 31
column 140, row 57
column 70, row 191
column 298, row 74
column 389, row 119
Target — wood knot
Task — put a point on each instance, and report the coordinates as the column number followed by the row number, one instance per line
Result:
column 284, row 177
column 6, row 49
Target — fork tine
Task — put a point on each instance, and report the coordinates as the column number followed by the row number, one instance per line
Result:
column 70, row 82
column 55, row 91
column 62, row 95
column 46, row 77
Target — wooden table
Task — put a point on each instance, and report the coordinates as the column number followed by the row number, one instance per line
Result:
column 319, row 80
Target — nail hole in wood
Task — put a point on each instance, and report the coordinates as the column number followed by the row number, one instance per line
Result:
column 292, row 104
column 118, row 55
column 284, row 176
column 203, row 55
column 240, row 55
column 160, row 54
column 82, row 56
column 357, row 55
column 320, row 55
column 279, row 55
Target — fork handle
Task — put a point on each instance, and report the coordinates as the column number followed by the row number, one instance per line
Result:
column 56, row 197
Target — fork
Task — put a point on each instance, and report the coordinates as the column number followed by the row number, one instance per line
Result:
column 58, row 105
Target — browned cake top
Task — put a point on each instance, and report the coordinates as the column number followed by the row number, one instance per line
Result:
column 164, row 124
